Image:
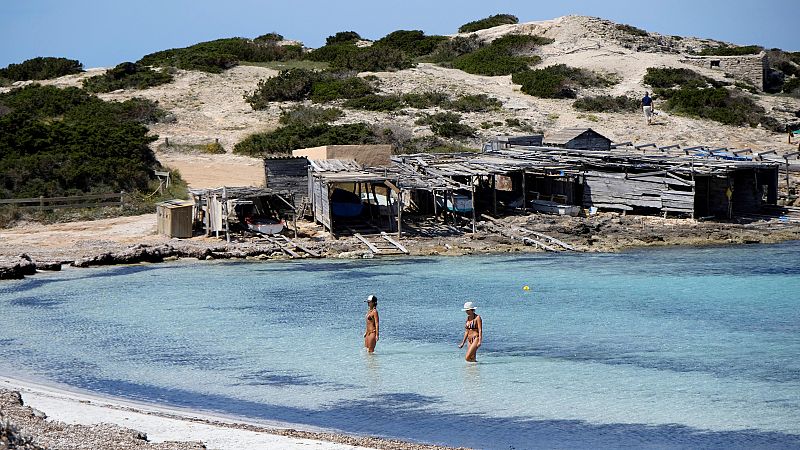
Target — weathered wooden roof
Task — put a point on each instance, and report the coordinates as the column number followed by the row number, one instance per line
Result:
column 565, row 135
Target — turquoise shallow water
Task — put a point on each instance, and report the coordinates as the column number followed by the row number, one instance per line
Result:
column 661, row 348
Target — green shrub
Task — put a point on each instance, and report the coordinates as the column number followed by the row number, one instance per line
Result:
column 343, row 37
column 329, row 87
column 792, row 86
column 125, row 76
column 670, row 77
column 446, row 125
column 559, row 81
column 57, row 142
column 714, row 103
column 269, row 37
column 630, row 29
column 414, row 42
column 425, row 100
column 221, row 54
column 489, row 22
column 41, row 68
column 346, row 56
column 501, row 56
column 513, row 122
column 288, row 85
column 291, row 137
column 309, row 115
column 607, row 103
column 475, row 103
column 375, row 102
column 330, row 52
column 451, row 49
column 731, row 51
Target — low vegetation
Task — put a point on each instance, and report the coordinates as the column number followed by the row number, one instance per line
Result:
column 288, row 85
column 376, row 102
column 222, row 54
column 726, row 50
column 474, row 103
column 503, row 56
column 447, row 125
column 630, row 29
column 309, row 115
column 413, row 43
column 41, row 68
column 559, row 81
column 607, row 103
column 447, row 51
column 57, row 142
column 424, row 100
column 489, row 22
column 341, row 53
column 291, row 137
column 333, row 86
column 688, row 93
column 127, row 76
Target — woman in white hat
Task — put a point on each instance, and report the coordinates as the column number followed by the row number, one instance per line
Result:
column 473, row 332
column 373, row 324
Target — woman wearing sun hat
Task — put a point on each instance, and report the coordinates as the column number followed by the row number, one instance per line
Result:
column 473, row 332
column 373, row 324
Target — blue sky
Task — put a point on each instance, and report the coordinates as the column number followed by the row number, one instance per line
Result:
column 107, row 32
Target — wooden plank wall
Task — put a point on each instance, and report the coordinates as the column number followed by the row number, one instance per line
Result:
column 615, row 191
column 321, row 202
column 290, row 174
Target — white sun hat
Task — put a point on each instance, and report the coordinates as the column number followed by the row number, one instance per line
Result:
column 371, row 298
column 468, row 306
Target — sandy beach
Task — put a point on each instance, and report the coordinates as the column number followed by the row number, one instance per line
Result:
column 65, row 418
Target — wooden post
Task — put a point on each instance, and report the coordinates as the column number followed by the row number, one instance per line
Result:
column 399, row 212
column 524, row 192
column 494, row 196
column 786, row 158
column 472, row 190
column 225, row 214
column 166, row 141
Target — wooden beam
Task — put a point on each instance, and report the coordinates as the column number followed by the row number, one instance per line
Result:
column 369, row 244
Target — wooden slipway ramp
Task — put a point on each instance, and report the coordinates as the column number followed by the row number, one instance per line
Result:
column 529, row 237
column 382, row 244
column 292, row 248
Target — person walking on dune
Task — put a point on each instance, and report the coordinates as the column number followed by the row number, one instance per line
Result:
column 473, row 332
column 373, row 324
column 647, row 107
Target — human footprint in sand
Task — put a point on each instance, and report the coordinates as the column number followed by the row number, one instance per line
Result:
column 473, row 332
column 373, row 324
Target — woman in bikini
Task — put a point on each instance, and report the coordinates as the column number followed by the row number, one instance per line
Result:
column 473, row 332
column 373, row 324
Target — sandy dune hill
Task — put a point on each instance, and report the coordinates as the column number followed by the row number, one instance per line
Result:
column 211, row 106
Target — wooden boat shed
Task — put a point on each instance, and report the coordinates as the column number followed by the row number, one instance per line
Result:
column 577, row 139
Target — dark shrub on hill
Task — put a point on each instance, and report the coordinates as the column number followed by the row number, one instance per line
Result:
column 288, row 85
column 427, row 99
column 269, row 38
column 328, row 53
column 607, row 103
column 414, row 42
column 41, row 68
column 446, row 124
column 489, row 22
column 309, row 115
column 374, row 102
column 343, row 37
column 451, row 49
column 291, row 137
column 329, row 87
column 714, row 103
column 630, row 29
column 346, row 56
column 670, row 77
column 125, row 76
column 502, row 56
column 731, row 51
column 63, row 141
column 792, row 87
column 559, row 81
column 221, row 54
column 475, row 103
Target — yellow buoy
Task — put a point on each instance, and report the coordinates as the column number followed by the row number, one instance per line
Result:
column 526, row 288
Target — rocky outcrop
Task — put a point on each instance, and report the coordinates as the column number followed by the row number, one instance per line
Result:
column 16, row 269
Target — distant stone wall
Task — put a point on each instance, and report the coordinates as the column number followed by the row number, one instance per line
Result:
column 750, row 68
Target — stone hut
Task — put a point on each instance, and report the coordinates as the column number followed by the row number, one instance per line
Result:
column 577, row 139
column 749, row 68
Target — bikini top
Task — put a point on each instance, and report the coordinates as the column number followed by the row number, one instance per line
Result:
column 472, row 324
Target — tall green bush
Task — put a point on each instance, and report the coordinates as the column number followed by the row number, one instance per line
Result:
column 670, row 77
column 374, row 102
column 41, row 68
column 726, row 50
column 413, row 42
column 489, row 22
column 630, row 29
column 57, row 142
column 329, row 87
column 558, row 81
column 309, row 115
column 501, row 56
column 607, row 103
column 714, row 103
column 288, row 85
column 343, row 37
column 126, row 76
column 292, row 137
